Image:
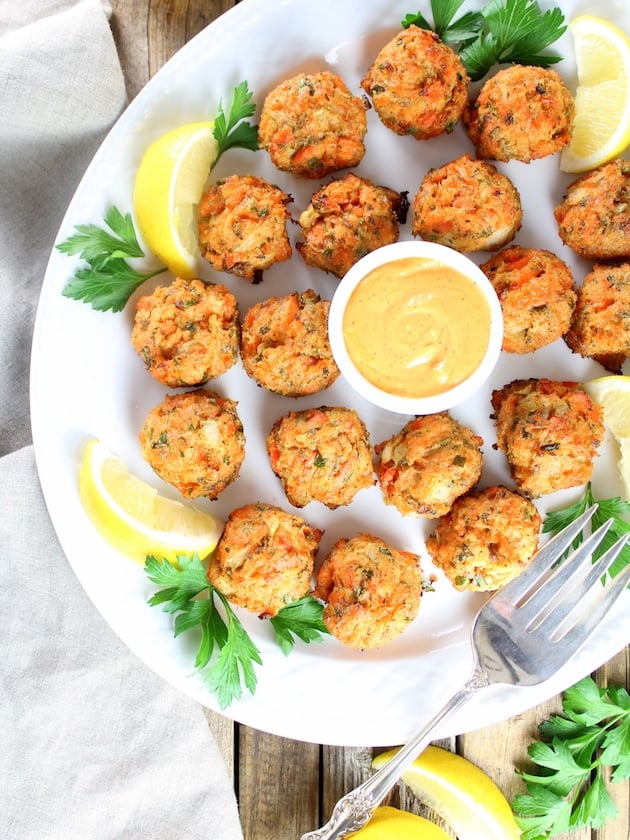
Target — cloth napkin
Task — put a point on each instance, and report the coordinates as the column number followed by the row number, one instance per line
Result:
column 94, row 744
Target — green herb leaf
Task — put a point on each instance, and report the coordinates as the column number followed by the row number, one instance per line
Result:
column 303, row 619
column 231, row 131
column 108, row 281
column 452, row 32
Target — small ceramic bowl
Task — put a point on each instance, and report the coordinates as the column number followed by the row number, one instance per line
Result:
column 439, row 322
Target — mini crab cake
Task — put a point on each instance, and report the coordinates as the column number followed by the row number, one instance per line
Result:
column 372, row 591
column 321, row 455
column 285, row 346
column 264, row 559
column 417, row 84
column 535, row 290
column 467, row 205
column 195, row 442
column 312, row 125
column 594, row 217
column 600, row 328
column 428, row 464
column 487, row 539
column 242, row 226
column 522, row 113
column 549, row 432
column 187, row 333
column 346, row 220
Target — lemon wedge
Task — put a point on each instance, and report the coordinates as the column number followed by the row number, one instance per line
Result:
column 613, row 394
column 134, row 518
column 168, row 185
column 601, row 126
column 462, row 794
column 392, row 824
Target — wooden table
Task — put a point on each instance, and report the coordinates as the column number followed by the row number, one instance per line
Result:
column 286, row 787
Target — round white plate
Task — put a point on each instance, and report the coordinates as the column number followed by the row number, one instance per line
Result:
column 86, row 381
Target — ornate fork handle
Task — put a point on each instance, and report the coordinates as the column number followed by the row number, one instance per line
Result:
column 354, row 809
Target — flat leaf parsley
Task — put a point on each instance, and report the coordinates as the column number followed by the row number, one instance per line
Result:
column 568, row 790
column 503, row 31
column 233, row 131
column 226, row 655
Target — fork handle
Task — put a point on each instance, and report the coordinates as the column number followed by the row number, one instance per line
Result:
column 355, row 809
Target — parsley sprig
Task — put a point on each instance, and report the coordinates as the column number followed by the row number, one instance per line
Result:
column 226, row 655
column 108, row 281
column 503, row 31
column 568, row 789
column 234, row 131
column 614, row 509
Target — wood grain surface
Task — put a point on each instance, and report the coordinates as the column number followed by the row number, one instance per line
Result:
column 287, row 787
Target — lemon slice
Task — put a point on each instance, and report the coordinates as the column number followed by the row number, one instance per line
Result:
column 601, row 127
column 613, row 394
column 134, row 518
column 462, row 794
column 392, row 824
column 167, row 188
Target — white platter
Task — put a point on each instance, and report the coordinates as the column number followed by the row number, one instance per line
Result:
column 86, row 381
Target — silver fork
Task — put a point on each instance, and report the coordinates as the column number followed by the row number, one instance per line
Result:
column 521, row 636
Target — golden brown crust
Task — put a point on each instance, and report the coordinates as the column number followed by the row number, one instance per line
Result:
column 242, row 226
column 312, row 125
column 285, row 346
column 549, row 432
column 428, row 464
column 187, row 333
column 264, row 559
column 467, row 205
column 372, row 591
column 417, row 84
column 195, row 442
column 594, row 217
column 521, row 113
column 535, row 290
column 322, row 455
column 600, row 328
column 345, row 220
column 486, row 540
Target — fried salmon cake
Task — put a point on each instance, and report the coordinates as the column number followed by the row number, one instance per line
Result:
column 549, row 432
column 195, row 442
column 322, row 455
column 312, row 125
column 371, row 591
column 428, row 464
column 264, row 559
column 488, row 538
column 187, row 333
column 242, row 226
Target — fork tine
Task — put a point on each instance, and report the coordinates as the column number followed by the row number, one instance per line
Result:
column 577, row 585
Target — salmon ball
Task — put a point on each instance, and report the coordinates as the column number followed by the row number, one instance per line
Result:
column 312, row 125
column 187, row 333
column 285, row 346
column 594, row 216
column 264, row 559
column 195, row 442
column 322, row 455
column 600, row 328
column 371, row 591
column 242, row 226
column 347, row 219
column 521, row 113
column 549, row 432
column 418, row 85
column 488, row 538
column 467, row 205
column 535, row 290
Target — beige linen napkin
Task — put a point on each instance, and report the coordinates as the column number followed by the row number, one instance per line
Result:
column 94, row 745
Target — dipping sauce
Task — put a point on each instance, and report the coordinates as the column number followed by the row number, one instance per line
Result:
column 415, row 327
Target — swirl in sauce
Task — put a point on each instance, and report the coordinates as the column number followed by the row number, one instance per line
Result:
column 415, row 327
